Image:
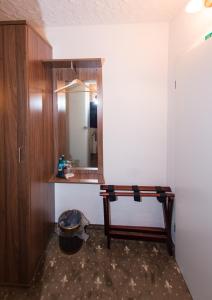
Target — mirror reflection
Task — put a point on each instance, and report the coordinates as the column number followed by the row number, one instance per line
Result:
column 78, row 100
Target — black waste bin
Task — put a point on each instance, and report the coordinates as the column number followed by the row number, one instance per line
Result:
column 71, row 225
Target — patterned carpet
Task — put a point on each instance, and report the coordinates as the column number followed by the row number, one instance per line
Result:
column 131, row 270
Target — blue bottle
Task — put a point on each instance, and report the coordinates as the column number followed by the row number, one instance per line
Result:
column 63, row 161
column 60, row 167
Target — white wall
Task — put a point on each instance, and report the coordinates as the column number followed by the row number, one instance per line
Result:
column 135, row 108
column 190, row 147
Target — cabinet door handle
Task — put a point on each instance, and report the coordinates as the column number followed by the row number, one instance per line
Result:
column 19, row 154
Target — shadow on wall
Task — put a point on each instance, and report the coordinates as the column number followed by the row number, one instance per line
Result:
column 29, row 10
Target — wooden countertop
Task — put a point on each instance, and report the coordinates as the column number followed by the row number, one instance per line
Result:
column 80, row 178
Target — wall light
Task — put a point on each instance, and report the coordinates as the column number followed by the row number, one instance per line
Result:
column 208, row 3
column 195, row 6
column 95, row 100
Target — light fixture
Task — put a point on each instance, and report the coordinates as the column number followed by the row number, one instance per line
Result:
column 95, row 100
column 195, row 6
column 208, row 3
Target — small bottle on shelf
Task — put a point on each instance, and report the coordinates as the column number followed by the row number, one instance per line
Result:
column 60, row 167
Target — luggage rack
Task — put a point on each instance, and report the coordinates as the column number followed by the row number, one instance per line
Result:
column 164, row 195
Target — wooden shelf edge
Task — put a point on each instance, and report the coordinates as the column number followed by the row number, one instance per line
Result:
column 116, row 234
column 141, row 229
column 77, row 62
column 77, row 179
column 13, row 22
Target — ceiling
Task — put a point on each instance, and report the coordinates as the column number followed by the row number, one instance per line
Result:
column 89, row 12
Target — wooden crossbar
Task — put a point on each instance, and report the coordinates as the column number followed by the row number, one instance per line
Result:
column 131, row 194
column 140, row 187
column 164, row 196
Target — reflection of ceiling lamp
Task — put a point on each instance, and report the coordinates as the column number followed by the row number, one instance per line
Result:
column 195, row 6
column 95, row 100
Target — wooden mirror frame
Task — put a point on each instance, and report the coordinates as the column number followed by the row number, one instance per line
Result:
column 65, row 70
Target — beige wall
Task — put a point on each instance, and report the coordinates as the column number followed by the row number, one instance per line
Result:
column 190, row 146
column 135, row 102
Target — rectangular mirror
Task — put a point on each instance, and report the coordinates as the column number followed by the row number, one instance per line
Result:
column 80, row 109
column 77, row 86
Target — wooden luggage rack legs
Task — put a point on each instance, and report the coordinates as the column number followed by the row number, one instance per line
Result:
column 164, row 196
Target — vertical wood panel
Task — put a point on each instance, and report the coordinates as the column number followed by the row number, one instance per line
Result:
column 26, row 199
column 10, row 94
column 13, row 233
column 35, row 150
column 48, row 147
column 40, row 145
column 100, row 121
column 2, row 163
column 23, row 165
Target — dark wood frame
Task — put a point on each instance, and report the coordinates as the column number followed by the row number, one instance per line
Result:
column 61, row 69
column 155, row 234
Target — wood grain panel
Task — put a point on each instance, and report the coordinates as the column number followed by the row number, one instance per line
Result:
column 14, row 231
column 100, row 120
column 26, row 124
column 23, row 169
column 2, row 163
column 13, row 22
column 49, row 217
column 40, row 145
column 90, row 178
column 10, row 77
column 77, row 63
column 35, row 150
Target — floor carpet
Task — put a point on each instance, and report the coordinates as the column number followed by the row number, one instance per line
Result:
column 131, row 270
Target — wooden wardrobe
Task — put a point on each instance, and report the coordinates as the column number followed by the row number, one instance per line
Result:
column 26, row 152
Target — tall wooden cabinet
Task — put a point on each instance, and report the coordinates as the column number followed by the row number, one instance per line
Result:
column 26, row 151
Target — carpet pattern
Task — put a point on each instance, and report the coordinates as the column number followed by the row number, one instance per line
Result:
column 131, row 270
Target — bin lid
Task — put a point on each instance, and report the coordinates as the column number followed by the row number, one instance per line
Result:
column 70, row 219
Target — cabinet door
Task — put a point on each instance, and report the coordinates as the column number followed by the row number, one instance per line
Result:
column 2, row 164
column 40, row 147
column 13, row 169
